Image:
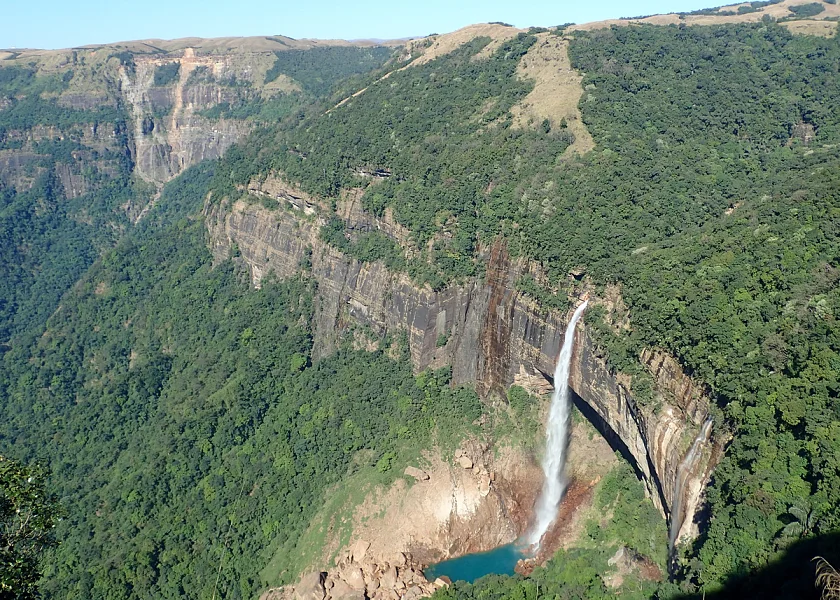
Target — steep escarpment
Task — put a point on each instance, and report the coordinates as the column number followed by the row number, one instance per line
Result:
column 488, row 331
column 164, row 106
column 170, row 133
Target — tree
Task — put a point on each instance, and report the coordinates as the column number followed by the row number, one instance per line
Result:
column 27, row 517
column 804, row 523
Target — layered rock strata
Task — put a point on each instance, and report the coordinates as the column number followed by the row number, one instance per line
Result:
column 494, row 334
column 170, row 134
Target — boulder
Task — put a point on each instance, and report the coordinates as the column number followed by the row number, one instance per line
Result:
column 389, row 578
column 443, row 581
column 465, row 462
column 354, row 578
column 418, row 474
column 398, row 559
column 342, row 591
column 311, row 587
column 359, row 551
column 415, row 592
column 484, row 485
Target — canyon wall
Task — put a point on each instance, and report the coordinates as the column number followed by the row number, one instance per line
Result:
column 170, row 131
column 490, row 333
column 147, row 111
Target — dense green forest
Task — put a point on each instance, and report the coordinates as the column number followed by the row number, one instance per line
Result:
column 711, row 198
column 48, row 238
column 319, row 73
column 190, row 433
column 184, row 423
column 442, row 143
column 319, row 70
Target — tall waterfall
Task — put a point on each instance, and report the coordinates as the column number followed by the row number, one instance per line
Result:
column 686, row 466
column 557, row 435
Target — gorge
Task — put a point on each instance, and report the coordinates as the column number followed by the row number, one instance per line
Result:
column 496, row 336
column 284, row 317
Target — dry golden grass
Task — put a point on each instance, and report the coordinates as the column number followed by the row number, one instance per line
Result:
column 777, row 11
column 557, row 91
column 828, row 579
column 812, row 27
column 446, row 43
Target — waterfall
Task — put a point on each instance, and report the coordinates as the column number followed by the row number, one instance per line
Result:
column 557, row 434
column 686, row 466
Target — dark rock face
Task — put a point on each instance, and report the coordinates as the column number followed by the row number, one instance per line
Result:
column 494, row 334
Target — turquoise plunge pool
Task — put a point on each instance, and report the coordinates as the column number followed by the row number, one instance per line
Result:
column 499, row 561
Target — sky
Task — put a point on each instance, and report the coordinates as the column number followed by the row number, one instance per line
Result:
column 68, row 23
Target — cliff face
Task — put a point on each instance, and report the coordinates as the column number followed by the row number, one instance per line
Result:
column 25, row 157
column 494, row 335
column 145, row 111
column 170, row 134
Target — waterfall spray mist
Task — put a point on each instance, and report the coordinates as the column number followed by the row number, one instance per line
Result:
column 557, row 434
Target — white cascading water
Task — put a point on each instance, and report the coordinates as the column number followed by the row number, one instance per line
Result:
column 686, row 466
column 557, row 433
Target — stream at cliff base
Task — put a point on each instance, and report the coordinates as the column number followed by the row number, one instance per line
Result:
column 499, row 561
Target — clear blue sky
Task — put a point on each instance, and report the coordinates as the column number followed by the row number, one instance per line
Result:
column 66, row 23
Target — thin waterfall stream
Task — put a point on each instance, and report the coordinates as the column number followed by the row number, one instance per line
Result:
column 686, row 466
column 557, row 437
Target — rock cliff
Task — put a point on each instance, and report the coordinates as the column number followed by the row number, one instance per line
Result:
column 131, row 112
column 151, row 108
column 494, row 334
column 170, row 133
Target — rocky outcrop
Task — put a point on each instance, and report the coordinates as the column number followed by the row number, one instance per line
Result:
column 399, row 577
column 449, row 510
column 474, row 500
column 494, row 334
column 170, row 134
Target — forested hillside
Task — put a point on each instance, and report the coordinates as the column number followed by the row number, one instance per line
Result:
column 49, row 235
column 191, row 435
column 711, row 198
column 73, row 174
column 171, row 401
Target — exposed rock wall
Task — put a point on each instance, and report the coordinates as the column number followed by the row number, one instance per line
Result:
column 165, row 130
column 97, row 156
column 169, row 133
column 494, row 334
column 478, row 500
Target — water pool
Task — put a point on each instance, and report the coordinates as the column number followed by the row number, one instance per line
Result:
column 499, row 561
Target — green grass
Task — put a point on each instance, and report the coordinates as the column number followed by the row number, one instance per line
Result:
column 335, row 520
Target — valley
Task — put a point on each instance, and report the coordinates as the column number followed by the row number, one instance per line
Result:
column 281, row 317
